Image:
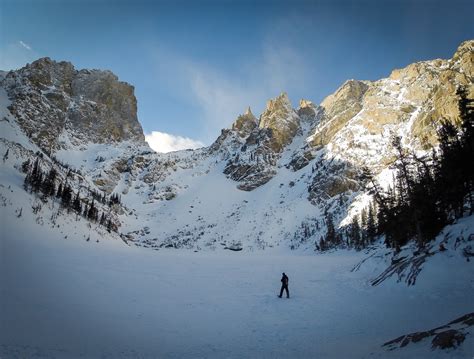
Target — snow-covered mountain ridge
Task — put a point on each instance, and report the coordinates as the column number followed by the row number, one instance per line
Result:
column 265, row 182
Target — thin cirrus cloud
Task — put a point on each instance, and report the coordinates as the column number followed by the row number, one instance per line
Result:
column 25, row 45
column 16, row 54
column 219, row 97
column 165, row 142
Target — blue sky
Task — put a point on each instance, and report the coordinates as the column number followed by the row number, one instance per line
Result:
column 196, row 65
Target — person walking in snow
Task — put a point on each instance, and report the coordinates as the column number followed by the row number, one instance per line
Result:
column 284, row 285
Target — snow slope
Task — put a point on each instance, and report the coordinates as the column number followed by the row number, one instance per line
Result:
column 65, row 297
column 212, row 213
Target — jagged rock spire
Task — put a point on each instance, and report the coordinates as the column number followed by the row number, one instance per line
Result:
column 245, row 123
column 280, row 104
column 306, row 103
column 281, row 119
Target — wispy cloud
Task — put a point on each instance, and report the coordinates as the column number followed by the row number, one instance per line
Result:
column 165, row 142
column 15, row 55
column 220, row 94
column 283, row 67
column 26, row 46
column 220, row 97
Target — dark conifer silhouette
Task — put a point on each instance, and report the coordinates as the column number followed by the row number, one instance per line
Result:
column 428, row 192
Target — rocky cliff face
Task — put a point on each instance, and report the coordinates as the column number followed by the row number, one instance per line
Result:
column 55, row 104
column 360, row 117
column 338, row 109
column 353, row 127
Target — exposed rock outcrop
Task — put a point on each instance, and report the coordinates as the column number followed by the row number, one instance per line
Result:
column 309, row 112
column 281, row 120
column 245, row 123
column 259, row 147
column 447, row 336
column 338, row 109
column 51, row 99
column 361, row 117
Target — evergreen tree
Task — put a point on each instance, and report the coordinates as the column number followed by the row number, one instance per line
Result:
column 66, row 196
column 407, row 213
column 5, row 156
column 102, row 219
column 36, row 177
column 92, row 212
column 27, row 182
column 466, row 111
column 371, row 227
column 85, row 211
column 354, row 234
column 111, row 226
column 59, row 192
column 424, row 198
column 36, row 168
column 48, row 185
column 363, row 228
column 25, row 166
column 322, row 244
column 37, row 180
column 114, row 199
column 330, row 238
column 76, row 203
column 449, row 175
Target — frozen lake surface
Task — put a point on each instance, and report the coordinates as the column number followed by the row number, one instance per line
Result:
column 68, row 297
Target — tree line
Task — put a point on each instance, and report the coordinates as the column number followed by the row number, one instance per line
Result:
column 428, row 192
column 360, row 233
column 50, row 185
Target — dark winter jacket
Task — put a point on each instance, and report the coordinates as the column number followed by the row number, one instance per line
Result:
column 284, row 280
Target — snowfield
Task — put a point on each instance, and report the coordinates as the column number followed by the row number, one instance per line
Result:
column 65, row 297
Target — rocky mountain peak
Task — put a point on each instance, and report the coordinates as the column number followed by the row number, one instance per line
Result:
column 350, row 90
column 360, row 118
column 245, row 123
column 44, row 73
column 51, row 99
column 281, row 120
column 306, row 103
column 279, row 106
column 463, row 59
column 465, row 47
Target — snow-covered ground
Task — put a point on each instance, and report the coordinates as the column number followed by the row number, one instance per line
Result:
column 67, row 297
